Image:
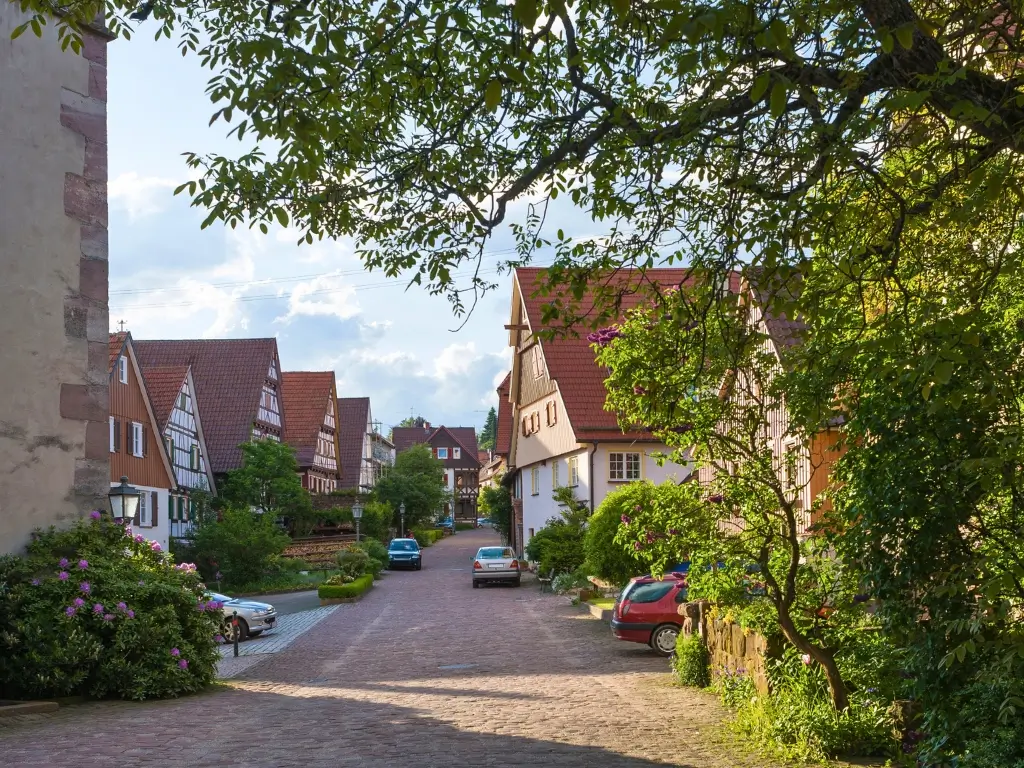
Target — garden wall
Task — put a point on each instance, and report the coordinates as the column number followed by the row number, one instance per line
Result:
column 731, row 649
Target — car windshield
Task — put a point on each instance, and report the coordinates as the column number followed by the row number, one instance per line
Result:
column 495, row 553
column 404, row 546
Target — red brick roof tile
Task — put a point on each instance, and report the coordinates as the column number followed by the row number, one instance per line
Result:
column 570, row 360
column 229, row 376
column 116, row 344
column 305, row 396
column 503, row 438
column 353, row 413
column 164, row 384
column 407, row 437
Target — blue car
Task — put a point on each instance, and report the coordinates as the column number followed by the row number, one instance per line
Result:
column 404, row 553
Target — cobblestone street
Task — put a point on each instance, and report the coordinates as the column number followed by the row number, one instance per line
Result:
column 425, row 671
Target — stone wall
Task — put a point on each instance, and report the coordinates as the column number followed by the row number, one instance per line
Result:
column 54, row 452
column 731, row 649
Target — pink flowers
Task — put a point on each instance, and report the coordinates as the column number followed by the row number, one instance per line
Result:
column 95, row 514
column 625, row 519
column 637, row 546
column 85, row 587
column 806, row 659
column 638, row 390
column 83, row 564
column 187, row 567
column 63, row 575
column 155, row 546
column 175, row 652
column 140, row 538
column 182, row 664
column 218, row 638
column 605, row 336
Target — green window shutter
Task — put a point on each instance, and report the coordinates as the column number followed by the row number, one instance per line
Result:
column 170, row 508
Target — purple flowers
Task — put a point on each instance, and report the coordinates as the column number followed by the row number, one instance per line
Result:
column 79, row 602
column 70, row 610
column 175, row 652
column 625, row 519
column 674, row 531
column 142, row 583
column 182, row 664
column 83, row 564
column 716, row 498
column 140, row 538
column 637, row 545
column 605, row 336
column 638, row 390
column 218, row 576
column 131, row 614
column 63, row 562
column 63, row 576
column 650, row 537
column 36, row 582
column 85, row 587
column 98, row 608
column 108, row 617
column 95, row 514
column 122, row 606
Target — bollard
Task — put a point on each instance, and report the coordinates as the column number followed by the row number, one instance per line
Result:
column 234, row 629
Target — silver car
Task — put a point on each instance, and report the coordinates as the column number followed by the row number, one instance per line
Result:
column 254, row 617
column 494, row 564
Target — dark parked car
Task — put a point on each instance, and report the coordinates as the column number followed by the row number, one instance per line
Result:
column 647, row 611
column 404, row 553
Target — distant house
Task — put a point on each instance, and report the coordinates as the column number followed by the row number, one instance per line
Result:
column 365, row 453
column 559, row 433
column 172, row 392
column 136, row 448
column 496, row 464
column 456, row 448
column 310, row 404
column 237, row 382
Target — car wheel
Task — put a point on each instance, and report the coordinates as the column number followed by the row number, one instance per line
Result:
column 663, row 639
column 476, row 584
column 419, row 566
column 229, row 629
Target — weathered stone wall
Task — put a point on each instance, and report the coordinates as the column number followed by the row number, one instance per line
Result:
column 731, row 649
column 54, row 452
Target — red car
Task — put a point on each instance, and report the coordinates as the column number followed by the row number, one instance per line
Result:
column 647, row 611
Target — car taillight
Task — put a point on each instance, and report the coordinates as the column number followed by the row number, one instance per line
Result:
column 625, row 608
column 515, row 565
column 477, row 566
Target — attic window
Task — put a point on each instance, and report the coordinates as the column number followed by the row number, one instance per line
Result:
column 551, row 413
column 122, row 369
column 456, row 453
column 442, row 453
column 538, row 363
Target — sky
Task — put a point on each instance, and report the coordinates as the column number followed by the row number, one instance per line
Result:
column 170, row 279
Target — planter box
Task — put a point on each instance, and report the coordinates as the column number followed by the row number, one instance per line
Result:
column 598, row 612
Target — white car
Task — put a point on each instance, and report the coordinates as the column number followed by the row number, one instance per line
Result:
column 494, row 564
column 254, row 618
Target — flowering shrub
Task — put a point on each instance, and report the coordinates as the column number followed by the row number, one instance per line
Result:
column 129, row 624
column 353, row 561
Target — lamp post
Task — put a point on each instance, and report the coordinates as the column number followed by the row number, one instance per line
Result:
column 357, row 515
column 124, row 501
column 401, row 512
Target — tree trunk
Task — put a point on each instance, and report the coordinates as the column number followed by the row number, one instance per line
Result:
column 836, row 686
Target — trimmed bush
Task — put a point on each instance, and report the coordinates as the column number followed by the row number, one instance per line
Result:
column 96, row 611
column 353, row 561
column 692, row 662
column 425, row 537
column 558, row 547
column 352, row 589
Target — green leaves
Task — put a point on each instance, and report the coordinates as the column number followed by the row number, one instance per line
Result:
column 492, row 95
column 777, row 103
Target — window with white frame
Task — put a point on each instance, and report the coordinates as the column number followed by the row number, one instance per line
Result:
column 193, row 457
column 456, row 453
column 113, row 443
column 122, row 369
column 169, row 442
column 623, row 467
column 144, row 517
column 535, row 481
column 574, row 471
column 442, row 453
column 554, row 473
column 138, row 439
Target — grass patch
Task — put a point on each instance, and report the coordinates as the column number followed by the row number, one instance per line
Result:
column 280, row 582
column 604, row 603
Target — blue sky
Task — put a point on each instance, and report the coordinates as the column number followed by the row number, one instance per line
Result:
column 169, row 279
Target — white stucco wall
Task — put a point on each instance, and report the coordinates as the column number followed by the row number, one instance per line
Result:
column 159, row 533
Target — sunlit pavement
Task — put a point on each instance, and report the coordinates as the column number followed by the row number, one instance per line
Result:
column 424, row 671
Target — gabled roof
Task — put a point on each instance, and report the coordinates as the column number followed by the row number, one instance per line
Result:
column 570, row 359
column 229, row 376
column 503, row 436
column 764, row 290
column 353, row 413
column 116, row 345
column 465, row 437
column 164, row 384
column 305, row 396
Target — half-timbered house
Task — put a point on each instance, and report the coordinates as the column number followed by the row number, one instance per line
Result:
column 237, row 382
column 456, row 449
column 310, row 403
column 172, row 392
column 136, row 449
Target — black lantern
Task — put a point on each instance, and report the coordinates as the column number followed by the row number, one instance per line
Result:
column 357, row 515
column 401, row 512
column 124, row 501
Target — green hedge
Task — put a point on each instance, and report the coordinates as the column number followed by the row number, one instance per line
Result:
column 427, row 536
column 352, row 589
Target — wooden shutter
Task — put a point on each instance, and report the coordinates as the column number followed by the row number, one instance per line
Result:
column 156, row 502
column 117, row 435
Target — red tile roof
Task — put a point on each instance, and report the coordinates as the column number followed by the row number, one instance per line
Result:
column 570, row 359
column 353, row 413
column 406, row 437
column 229, row 376
column 116, row 344
column 164, row 384
column 503, row 438
column 483, row 456
column 305, row 396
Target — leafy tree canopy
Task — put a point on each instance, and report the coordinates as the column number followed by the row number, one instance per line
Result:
column 417, row 480
column 268, row 480
column 487, row 436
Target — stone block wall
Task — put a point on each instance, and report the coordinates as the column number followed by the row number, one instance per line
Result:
column 730, row 648
column 54, row 449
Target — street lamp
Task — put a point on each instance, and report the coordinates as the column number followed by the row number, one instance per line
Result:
column 401, row 511
column 357, row 515
column 124, row 501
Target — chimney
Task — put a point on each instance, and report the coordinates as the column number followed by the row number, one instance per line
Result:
column 426, row 426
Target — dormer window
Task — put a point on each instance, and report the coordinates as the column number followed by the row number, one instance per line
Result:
column 442, row 453
column 122, row 369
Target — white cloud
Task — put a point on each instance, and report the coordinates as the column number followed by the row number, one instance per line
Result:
column 329, row 295
column 142, row 196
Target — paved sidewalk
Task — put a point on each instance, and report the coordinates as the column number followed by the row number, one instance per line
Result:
column 288, row 628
